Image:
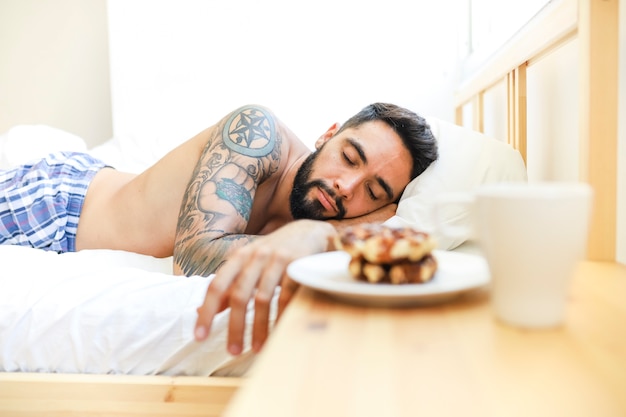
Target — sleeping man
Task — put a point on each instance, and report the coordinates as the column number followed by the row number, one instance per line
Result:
column 241, row 199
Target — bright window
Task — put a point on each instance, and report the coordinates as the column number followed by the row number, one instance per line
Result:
column 491, row 23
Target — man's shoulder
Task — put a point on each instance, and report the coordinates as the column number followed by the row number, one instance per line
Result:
column 255, row 130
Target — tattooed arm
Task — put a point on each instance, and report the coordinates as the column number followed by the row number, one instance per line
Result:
column 242, row 151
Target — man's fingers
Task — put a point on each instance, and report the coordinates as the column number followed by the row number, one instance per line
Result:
column 263, row 302
column 216, row 299
column 213, row 301
column 259, row 266
column 287, row 291
column 240, row 295
column 260, row 327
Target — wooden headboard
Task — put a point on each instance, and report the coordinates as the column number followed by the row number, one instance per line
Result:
column 595, row 24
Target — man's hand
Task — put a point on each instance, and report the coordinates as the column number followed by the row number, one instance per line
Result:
column 253, row 272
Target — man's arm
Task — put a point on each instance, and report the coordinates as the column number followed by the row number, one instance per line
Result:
column 253, row 272
column 242, row 150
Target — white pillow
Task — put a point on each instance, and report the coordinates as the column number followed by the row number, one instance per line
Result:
column 467, row 159
column 23, row 143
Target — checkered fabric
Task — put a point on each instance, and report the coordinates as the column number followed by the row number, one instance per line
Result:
column 40, row 202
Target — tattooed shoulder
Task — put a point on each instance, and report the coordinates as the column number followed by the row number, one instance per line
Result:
column 243, row 151
column 250, row 131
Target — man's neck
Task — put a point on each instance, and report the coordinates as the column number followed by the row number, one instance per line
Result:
column 280, row 206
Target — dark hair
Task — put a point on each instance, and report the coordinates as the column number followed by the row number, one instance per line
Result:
column 412, row 128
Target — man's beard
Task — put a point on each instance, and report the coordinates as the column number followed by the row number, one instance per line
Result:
column 301, row 207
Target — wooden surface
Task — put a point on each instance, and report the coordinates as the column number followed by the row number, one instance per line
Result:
column 598, row 33
column 331, row 359
column 50, row 395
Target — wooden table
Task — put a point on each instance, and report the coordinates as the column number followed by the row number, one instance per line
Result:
column 326, row 358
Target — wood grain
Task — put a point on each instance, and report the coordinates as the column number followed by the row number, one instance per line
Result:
column 331, row 359
column 31, row 394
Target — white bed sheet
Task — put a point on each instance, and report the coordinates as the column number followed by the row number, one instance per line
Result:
column 103, row 311
column 110, row 312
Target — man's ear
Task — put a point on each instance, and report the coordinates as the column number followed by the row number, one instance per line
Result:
column 327, row 135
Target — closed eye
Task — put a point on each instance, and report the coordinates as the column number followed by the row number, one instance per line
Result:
column 370, row 192
column 362, row 158
column 348, row 160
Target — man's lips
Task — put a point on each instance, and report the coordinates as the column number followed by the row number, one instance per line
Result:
column 326, row 201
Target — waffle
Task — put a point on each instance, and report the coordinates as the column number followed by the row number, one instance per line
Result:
column 384, row 254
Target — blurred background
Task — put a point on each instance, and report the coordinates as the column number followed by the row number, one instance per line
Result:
column 153, row 73
column 166, row 69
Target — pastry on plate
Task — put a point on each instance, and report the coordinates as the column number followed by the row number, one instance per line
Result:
column 383, row 254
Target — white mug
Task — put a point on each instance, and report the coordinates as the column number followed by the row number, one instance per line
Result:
column 532, row 235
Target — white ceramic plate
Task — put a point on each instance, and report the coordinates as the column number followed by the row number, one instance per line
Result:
column 328, row 272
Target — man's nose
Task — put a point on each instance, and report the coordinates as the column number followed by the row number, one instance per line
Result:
column 346, row 186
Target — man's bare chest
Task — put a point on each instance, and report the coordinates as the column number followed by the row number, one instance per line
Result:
column 268, row 212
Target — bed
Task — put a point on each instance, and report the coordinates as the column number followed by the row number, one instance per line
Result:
column 117, row 327
column 149, row 365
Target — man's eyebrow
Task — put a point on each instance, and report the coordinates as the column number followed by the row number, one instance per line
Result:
column 385, row 187
column 359, row 150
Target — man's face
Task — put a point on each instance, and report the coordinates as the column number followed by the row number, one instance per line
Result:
column 351, row 174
